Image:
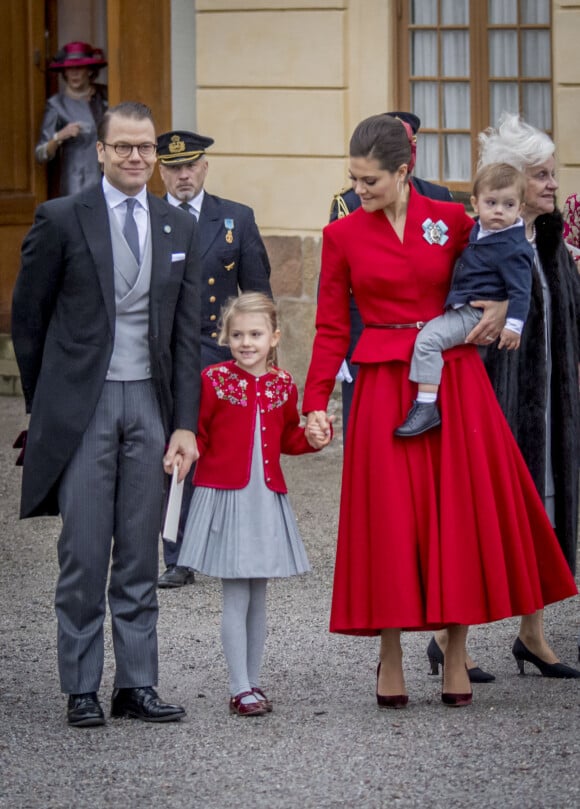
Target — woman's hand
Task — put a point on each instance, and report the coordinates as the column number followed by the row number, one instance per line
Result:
column 69, row 131
column 491, row 324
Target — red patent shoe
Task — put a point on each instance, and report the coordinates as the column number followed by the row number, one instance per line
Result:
column 246, row 708
column 264, row 701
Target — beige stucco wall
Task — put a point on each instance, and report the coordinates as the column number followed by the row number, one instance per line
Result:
column 280, row 85
column 566, row 66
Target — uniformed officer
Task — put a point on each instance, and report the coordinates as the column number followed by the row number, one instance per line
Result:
column 344, row 203
column 233, row 259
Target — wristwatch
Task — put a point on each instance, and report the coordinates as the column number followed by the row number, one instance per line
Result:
column 55, row 138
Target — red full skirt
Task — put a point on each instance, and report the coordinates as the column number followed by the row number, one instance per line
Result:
column 443, row 528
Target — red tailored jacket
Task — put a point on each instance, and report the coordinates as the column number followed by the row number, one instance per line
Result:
column 229, row 400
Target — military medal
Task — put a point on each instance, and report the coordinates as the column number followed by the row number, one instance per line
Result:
column 435, row 232
column 229, row 226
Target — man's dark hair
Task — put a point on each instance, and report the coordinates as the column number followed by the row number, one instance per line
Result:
column 128, row 109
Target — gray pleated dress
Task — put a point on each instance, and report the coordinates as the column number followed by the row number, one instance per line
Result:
column 247, row 533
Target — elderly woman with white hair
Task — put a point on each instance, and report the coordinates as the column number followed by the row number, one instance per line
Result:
column 537, row 386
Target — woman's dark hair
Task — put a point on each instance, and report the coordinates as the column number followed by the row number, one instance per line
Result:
column 127, row 109
column 381, row 138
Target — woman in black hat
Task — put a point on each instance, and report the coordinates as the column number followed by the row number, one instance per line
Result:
column 69, row 126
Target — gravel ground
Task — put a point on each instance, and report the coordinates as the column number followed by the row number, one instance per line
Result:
column 326, row 744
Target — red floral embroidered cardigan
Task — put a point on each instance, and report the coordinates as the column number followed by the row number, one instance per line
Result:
column 229, row 400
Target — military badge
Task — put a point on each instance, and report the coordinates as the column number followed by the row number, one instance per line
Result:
column 176, row 145
column 229, row 226
column 435, row 232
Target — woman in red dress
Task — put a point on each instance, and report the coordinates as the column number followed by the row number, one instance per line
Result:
column 445, row 529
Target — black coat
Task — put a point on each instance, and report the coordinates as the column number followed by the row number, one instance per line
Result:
column 519, row 380
column 233, row 257
column 63, row 322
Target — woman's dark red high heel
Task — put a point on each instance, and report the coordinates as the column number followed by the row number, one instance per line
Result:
column 456, row 700
column 393, row 701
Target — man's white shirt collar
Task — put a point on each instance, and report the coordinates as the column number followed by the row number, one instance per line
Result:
column 114, row 197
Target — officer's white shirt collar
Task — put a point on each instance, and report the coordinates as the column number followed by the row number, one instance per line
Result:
column 195, row 203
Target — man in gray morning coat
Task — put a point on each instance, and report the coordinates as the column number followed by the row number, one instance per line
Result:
column 106, row 330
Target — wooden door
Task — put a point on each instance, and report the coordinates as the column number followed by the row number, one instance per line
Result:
column 138, row 52
column 139, row 45
column 22, row 96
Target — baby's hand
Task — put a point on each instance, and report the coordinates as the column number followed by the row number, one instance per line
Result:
column 509, row 339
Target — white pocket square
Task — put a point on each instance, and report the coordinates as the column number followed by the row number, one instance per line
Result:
column 177, row 257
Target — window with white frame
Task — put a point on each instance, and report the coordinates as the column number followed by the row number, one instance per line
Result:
column 462, row 63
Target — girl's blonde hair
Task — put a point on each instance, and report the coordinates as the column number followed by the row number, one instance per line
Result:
column 254, row 303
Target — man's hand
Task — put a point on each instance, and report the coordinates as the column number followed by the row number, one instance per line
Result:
column 181, row 452
column 491, row 324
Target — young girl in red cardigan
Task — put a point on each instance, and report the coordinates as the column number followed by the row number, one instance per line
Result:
column 240, row 525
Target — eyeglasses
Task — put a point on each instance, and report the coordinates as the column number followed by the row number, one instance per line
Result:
column 126, row 149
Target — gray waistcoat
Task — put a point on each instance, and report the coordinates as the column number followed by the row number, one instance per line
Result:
column 130, row 360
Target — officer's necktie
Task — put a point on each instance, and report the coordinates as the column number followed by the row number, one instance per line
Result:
column 186, row 206
column 130, row 231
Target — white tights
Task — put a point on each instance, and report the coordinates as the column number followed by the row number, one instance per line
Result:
column 244, row 631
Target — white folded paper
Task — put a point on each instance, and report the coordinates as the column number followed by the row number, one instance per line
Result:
column 173, row 508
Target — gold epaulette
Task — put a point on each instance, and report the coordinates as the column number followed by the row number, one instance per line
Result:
column 341, row 206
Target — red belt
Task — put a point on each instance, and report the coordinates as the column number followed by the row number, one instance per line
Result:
column 418, row 324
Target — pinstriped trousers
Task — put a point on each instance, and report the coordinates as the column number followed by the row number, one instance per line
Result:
column 110, row 499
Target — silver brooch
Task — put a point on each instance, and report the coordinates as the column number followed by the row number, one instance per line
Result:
column 435, row 232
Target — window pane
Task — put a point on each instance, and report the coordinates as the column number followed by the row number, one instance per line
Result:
column 454, row 12
column 424, row 53
column 456, row 106
column 427, row 165
column 457, row 158
column 503, row 54
column 503, row 97
column 425, row 103
column 455, row 53
column 536, row 11
column 536, row 54
column 537, row 104
column 424, row 12
column 503, row 12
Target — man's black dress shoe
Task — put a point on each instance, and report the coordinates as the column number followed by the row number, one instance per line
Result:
column 143, row 703
column 84, row 710
column 421, row 417
column 176, row 576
